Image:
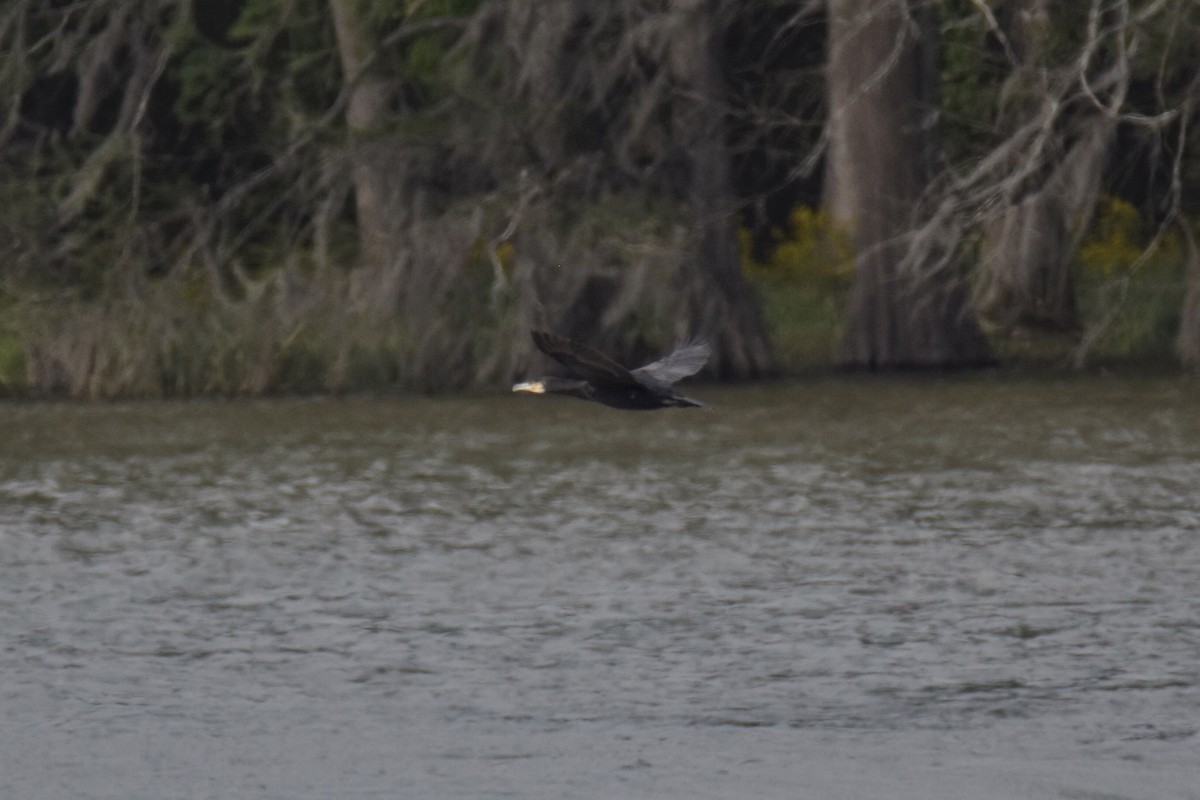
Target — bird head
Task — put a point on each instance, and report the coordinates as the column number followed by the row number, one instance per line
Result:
column 552, row 385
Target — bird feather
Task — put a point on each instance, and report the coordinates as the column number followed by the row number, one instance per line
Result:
column 583, row 360
column 687, row 359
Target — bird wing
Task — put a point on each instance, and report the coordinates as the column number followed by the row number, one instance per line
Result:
column 586, row 362
column 687, row 359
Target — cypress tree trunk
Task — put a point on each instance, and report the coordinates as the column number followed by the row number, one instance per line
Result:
column 1188, row 342
column 717, row 301
column 374, row 172
column 906, row 308
column 1027, row 249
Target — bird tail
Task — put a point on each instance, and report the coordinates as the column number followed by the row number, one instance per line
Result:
column 686, row 402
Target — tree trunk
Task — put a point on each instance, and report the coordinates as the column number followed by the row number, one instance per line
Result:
column 1188, row 342
column 906, row 308
column 718, row 304
column 1027, row 249
column 376, row 181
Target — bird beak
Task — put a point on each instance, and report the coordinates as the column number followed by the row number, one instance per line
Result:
column 534, row 387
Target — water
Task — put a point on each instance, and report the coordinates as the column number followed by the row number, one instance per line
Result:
column 830, row 590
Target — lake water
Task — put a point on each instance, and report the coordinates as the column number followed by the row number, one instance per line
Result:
column 838, row 589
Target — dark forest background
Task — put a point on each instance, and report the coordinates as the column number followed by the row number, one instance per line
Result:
column 250, row 196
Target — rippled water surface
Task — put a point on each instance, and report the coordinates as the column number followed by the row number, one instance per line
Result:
column 829, row 590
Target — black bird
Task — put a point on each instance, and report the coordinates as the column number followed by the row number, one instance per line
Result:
column 603, row 380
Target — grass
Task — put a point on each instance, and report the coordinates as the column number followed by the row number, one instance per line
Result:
column 804, row 323
column 297, row 329
column 1129, row 294
column 12, row 363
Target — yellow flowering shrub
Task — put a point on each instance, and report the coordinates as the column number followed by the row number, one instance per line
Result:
column 813, row 251
column 1116, row 240
column 802, row 283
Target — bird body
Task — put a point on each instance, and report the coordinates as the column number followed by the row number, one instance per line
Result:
column 602, row 380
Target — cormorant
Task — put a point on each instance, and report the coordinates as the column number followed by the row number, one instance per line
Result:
column 603, row 380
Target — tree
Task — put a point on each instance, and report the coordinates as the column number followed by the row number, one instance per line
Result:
column 628, row 102
column 1188, row 342
column 909, row 306
column 253, row 195
column 718, row 303
column 1065, row 84
column 369, row 101
column 1044, row 210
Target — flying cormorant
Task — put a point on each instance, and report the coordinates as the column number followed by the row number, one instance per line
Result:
column 603, row 380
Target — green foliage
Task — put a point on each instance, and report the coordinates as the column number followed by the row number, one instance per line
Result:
column 424, row 56
column 210, row 80
column 279, row 71
column 803, row 285
column 812, row 251
column 1130, row 283
column 972, row 76
column 208, row 243
column 12, row 357
column 1115, row 242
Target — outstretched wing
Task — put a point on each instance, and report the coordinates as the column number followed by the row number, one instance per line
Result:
column 583, row 360
column 687, row 359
